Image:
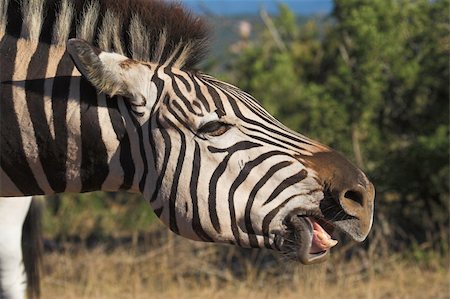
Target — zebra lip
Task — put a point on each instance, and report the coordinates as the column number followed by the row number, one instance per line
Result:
column 313, row 242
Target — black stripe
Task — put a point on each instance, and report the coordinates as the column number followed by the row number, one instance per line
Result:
column 273, row 136
column 294, row 179
column 179, row 119
column 183, row 80
column 174, row 56
column 268, row 219
column 126, row 158
column 158, row 212
column 243, row 174
column 140, row 140
column 153, row 120
column 60, row 95
column 179, row 108
column 199, row 93
column 78, row 11
column 126, row 36
column 268, row 141
column 176, row 178
column 14, row 24
column 150, row 125
column 179, row 94
column 154, row 112
column 13, row 159
column 94, row 158
column 251, row 199
column 264, row 127
column 49, row 9
column 52, row 163
column 214, row 94
column 254, row 106
column 239, row 146
column 167, row 147
column 212, row 196
column 193, row 188
column 233, row 93
column 245, row 98
column 265, row 116
column 98, row 23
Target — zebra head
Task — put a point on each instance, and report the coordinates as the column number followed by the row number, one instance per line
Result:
column 222, row 169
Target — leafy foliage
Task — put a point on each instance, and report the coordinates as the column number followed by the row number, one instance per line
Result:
column 96, row 215
column 374, row 85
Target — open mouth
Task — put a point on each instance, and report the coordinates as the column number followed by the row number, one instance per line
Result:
column 310, row 238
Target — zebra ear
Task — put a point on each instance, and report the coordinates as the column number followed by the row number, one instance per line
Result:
column 100, row 68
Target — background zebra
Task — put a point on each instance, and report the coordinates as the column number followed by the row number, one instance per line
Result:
column 124, row 109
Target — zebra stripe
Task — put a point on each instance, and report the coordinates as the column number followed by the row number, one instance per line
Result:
column 59, row 103
column 193, row 189
column 94, row 165
column 109, row 139
column 257, row 188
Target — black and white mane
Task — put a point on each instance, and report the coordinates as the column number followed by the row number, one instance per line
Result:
column 146, row 30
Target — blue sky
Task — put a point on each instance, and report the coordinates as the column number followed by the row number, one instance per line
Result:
column 233, row 7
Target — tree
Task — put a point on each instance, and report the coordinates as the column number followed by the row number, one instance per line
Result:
column 386, row 62
column 372, row 83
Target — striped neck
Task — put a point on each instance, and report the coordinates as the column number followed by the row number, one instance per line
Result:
column 57, row 133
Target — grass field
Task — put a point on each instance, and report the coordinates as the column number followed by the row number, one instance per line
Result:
column 178, row 268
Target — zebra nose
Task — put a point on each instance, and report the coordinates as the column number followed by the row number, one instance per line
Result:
column 355, row 201
column 349, row 187
column 358, row 202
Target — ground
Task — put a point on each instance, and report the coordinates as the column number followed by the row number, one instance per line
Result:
column 185, row 269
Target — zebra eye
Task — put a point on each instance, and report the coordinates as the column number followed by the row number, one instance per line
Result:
column 214, row 128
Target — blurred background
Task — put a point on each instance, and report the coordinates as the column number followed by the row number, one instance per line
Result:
column 368, row 78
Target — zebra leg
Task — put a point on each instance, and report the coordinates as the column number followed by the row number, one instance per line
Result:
column 32, row 247
column 13, row 211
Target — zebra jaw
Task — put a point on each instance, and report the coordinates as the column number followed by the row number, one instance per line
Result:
column 307, row 241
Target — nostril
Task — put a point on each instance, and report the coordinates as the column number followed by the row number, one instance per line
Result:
column 355, row 196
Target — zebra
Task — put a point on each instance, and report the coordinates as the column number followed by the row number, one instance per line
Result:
column 105, row 95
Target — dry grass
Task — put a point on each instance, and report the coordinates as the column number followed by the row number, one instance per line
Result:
column 184, row 269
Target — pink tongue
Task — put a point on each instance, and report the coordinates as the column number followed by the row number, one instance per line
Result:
column 321, row 240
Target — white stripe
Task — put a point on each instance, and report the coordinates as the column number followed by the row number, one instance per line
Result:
column 32, row 14
column 25, row 51
column 204, row 91
column 183, row 217
column 115, row 176
column 3, row 16
column 73, row 120
column 134, row 144
column 55, row 55
column 150, row 183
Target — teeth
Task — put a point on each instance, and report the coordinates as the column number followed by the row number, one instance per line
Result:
column 324, row 239
column 332, row 243
column 321, row 240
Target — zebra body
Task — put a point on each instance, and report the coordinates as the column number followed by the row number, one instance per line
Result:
column 123, row 109
column 43, row 153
